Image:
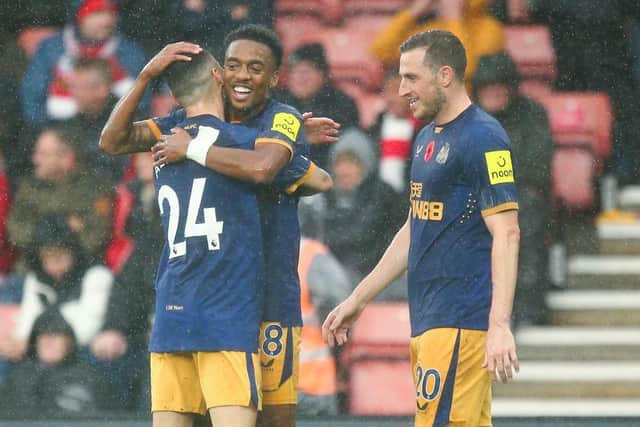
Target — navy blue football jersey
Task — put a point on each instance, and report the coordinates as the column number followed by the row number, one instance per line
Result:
column 281, row 124
column 209, row 289
column 461, row 172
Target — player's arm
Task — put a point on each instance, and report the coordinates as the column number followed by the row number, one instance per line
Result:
column 501, row 349
column 121, row 135
column 392, row 264
column 318, row 181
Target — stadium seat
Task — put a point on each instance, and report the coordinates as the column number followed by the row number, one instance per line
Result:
column 346, row 47
column 364, row 7
column 29, row 39
column 573, row 171
column 297, row 7
column 327, row 10
column 532, row 51
column 381, row 387
column 581, row 118
column 382, row 331
column 370, row 104
column 121, row 246
column 8, row 318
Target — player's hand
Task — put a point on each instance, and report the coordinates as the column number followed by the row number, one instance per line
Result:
column 320, row 130
column 169, row 54
column 500, row 356
column 109, row 345
column 171, row 148
column 340, row 320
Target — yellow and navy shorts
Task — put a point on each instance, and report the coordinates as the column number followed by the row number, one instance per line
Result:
column 451, row 384
column 193, row 382
column 279, row 361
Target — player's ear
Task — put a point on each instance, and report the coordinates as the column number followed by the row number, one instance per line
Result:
column 446, row 75
column 217, row 75
column 274, row 79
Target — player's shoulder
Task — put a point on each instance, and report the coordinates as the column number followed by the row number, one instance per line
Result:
column 283, row 119
column 275, row 107
column 483, row 131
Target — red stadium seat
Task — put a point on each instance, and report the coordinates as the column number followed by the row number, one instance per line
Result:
column 29, row 39
column 388, row 7
column 532, row 51
column 346, row 47
column 572, row 171
column 383, row 330
column 297, row 7
column 581, row 118
column 8, row 317
column 381, row 387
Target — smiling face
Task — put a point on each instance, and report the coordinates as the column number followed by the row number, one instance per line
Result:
column 419, row 85
column 249, row 74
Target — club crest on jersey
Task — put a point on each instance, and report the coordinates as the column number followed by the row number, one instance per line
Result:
column 443, row 154
column 430, row 147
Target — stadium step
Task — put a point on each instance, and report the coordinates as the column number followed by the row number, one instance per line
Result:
column 511, row 407
column 629, row 198
column 563, row 343
column 573, row 380
column 619, row 238
column 604, row 271
column 594, row 307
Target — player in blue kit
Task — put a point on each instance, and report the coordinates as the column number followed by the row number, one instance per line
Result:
column 209, row 297
column 253, row 55
column 459, row 244
column 273, row 150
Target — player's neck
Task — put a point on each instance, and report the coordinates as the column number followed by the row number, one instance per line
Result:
column 457, row 102
column 206, row 105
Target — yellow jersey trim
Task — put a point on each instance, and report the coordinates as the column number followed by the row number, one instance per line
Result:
column 509, row 206
column 276, row 141
column 155, row 130
column 293, row 187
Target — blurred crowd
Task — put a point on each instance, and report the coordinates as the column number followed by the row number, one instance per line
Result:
column 79, row 230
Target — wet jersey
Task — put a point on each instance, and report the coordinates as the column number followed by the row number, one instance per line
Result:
column 209, row 292
column 461, row 172
column 281, row 124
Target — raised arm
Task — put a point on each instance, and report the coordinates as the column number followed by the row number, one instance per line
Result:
column 121, row 135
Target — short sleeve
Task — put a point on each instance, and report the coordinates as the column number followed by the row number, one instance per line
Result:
column 284, row 128
column 295, row 174
column 163, row 125
column 490, row 167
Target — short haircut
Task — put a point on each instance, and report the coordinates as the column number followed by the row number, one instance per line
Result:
column 190, row 80
column 259, row 34
column 442, row 48
column 67, row 137
column 98, row 64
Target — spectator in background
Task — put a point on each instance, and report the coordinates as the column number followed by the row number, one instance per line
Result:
column 479, row 32
column 323, row 284
column 495, row 86
column 361, row 212
column 394, row 131
column 52, row 379
column 61, row 280
column 90, row 89
column 119, row 350
column 309, row 89
column 90, row 34
column 58, row 186
column 593, row 53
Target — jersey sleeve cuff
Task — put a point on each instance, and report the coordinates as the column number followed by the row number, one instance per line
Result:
column 153, row 126
column 276, row 141
column 508, row 206
column 293, row 187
